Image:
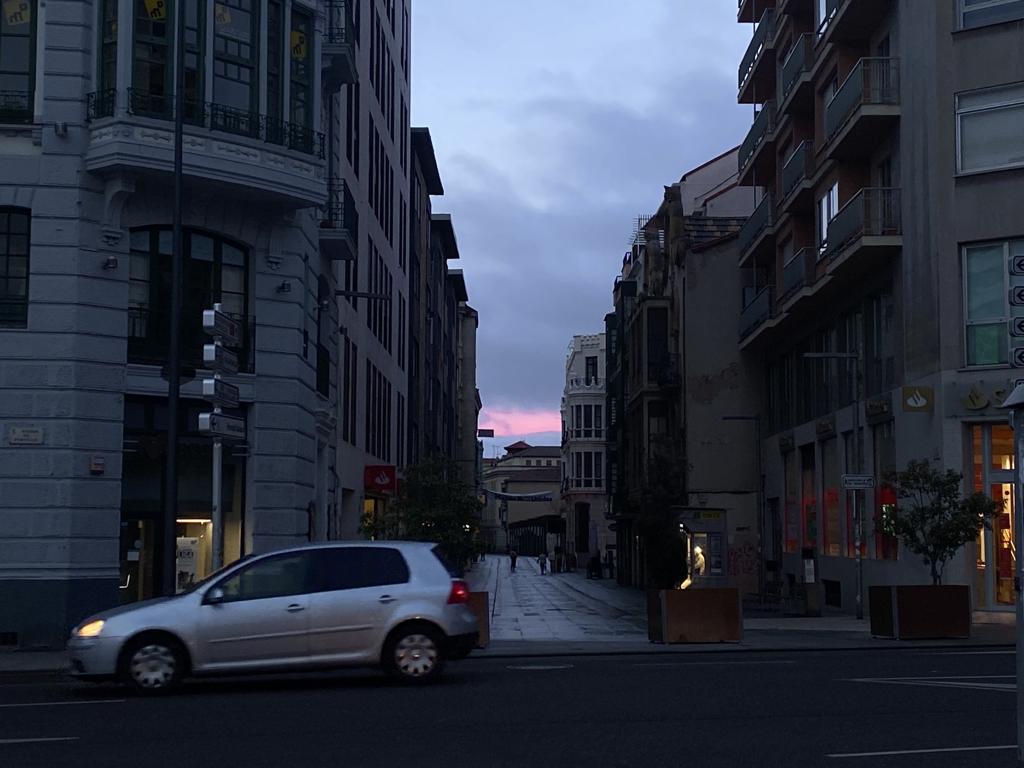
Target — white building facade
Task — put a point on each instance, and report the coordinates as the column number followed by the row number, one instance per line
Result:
column 585, row 501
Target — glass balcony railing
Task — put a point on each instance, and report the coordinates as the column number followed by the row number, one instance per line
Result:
column 871, row 212
column 797, row 273
column 757, row 312
column 872, row 81
column 764, row 35
column 797, row 63
column 799, row 167
column 761, row 219
column 763, row 125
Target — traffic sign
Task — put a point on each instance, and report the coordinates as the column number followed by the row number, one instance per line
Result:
column 220, row 326
column 220, row 393
column 219, row 425
column 1017, row 326
column 858, row 482
column 1017, row 296
column 1018, row 357
column 217, row 357
column 1017, row 265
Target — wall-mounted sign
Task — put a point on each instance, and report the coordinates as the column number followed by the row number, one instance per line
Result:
column 1017, row 326
column 786, row 443
column 18, row 12
column 299, row 44
column 858, row 482
column 825, row 428
column 1017, row 357
column 918, row 399
column 380, row 478
column 878, row 409
column 1017, row 296
column 157, row 10
column 25, row 436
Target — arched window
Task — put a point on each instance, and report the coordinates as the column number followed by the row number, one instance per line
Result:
column 14, row 245
column 216, row 270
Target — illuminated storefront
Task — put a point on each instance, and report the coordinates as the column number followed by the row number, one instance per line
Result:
column 992, row 473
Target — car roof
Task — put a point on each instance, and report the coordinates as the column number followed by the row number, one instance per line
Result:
column 348, row 544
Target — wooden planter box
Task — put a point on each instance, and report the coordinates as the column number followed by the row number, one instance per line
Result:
column 922, row 612
column 713, row 615
column 480, row 604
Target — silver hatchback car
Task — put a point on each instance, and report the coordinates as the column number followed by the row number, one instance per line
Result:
column 393, row 604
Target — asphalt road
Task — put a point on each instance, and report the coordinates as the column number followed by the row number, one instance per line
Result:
column 698, row 710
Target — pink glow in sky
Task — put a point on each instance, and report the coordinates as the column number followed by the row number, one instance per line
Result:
column 508, row 421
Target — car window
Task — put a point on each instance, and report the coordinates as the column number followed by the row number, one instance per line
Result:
column 271, row 577
column 358, row 567
column 453, row 570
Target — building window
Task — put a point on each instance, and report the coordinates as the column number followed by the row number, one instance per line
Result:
column 275, row 58
column 235, row 80
column 989, row 135
column 14, row 247
column 986, row 310
column 979, row 13
column 591, row 370
column 301, row 69
column 832, row 542
column 152, row 58
column 828, row 206
column 107, row 70
column 216, row 270
column 886, row 547
column 792, row 502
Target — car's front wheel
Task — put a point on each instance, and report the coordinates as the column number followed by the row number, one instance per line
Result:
column 153, row 665
column 414, row 653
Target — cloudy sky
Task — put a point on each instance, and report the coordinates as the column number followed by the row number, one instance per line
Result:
column 556, row 123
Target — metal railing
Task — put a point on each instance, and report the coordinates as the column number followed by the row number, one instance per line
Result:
column 340, row 212
column 219, row 117
column 338, row 24
column 798, row 272
column 797, row 63
column 15, row 107
column 764, row 35
column 100, row 104
column 872, row 81
column 799, row 167
column 761, row 219
column 758, row 311
column 874, row 211
column 764, row 124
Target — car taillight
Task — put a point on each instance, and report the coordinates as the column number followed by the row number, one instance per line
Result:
column 459, row 594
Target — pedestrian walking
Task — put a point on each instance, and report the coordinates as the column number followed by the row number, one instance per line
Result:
column 513, row 556
column 542, row 561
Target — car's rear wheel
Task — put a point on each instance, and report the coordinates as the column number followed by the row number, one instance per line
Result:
column 414, row 653
column 153, row 664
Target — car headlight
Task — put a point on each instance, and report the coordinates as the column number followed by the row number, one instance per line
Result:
column 92, row 629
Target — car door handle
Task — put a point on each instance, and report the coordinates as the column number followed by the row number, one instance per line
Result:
column 387, row 599
column 295, row 608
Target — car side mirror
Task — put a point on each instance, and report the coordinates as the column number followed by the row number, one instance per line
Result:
column 214, row 597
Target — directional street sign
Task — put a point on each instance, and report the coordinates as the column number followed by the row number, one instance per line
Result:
column 1017, row 358
column 1017, row 296
column 1017, row 326
column 220, row 326
column 216, row 357
column 219, row 425
column 220, row 393
column 1017, row 265
column 858, row 482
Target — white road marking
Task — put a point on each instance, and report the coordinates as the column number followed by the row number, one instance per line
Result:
column 842, row 755
column 971, row 682
column 64, row 703
column 38, row 741
column 538, row 667
column 975, row 653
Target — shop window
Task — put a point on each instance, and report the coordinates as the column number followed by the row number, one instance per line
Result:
column 14, row 256
column 809, row 496
column 832, row 543
column 792, row 511
column 886, row 547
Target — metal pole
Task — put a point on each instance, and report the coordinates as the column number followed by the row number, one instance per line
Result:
column 217, row 515
column 858, row 515
column 761, row 575
column 169, row 570
column 1018, row 525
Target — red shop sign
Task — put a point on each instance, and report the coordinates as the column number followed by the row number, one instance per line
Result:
column 380, row 478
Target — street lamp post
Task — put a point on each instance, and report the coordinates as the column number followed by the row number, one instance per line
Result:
column 1015, row 402
column 760, row 501
column 858, row 516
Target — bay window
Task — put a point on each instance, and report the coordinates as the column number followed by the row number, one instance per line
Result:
column 986, row 301
column 235, row 66
column 152, row 57
column 989, row 135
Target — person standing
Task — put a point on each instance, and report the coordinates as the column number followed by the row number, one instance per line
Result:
column 513, row 556
column 542, row 561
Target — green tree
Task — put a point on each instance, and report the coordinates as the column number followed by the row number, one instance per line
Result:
column 932, row 518
column 657, row 521
column 433, row 504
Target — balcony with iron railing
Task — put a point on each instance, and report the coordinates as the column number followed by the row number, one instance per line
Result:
column 758, row 148
column 759, row 311
column 339, row 226
column 757, row 69
column 757, row 230
column 852, row 22
column 870, row 223
column 865, row 109
column 798, row 176
column 258, row 156
column 338, row 47
column 796, row 88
